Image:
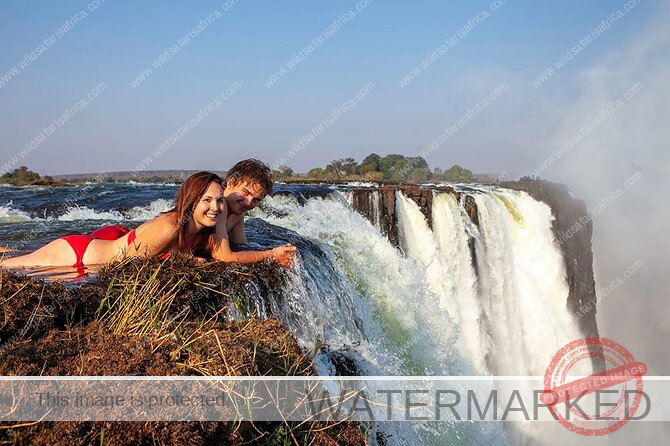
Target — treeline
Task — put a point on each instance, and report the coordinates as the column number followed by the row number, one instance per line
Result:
column 125, row 179
column 24, row 176
column 375, row 168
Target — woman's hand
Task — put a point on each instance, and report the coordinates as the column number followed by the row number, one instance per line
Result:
column 284, row 255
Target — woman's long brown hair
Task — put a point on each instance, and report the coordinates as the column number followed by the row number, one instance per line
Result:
column 190, row 192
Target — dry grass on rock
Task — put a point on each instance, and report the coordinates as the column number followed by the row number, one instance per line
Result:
column 155, row 318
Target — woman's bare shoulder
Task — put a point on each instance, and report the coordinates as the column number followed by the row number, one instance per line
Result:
column 155, row 235
column 160, row 224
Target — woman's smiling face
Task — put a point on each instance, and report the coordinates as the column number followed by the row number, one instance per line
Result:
column 209, row 207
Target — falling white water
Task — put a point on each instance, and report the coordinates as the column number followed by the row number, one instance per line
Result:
column 512, row 319
column 348, row 197
column 452, row 228
column 375, row 206
column 523, row 287
column 419, row 243
column 523, row 292
column 516, row 320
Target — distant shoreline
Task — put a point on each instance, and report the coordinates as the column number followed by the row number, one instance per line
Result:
column 177, row 176
column 157, row 176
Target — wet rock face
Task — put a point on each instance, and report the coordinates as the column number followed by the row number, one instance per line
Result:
column 575, row 246
column 471, row 208
column 385, row 210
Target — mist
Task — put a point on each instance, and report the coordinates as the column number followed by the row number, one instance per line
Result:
column 622, row 170
column 629, row 230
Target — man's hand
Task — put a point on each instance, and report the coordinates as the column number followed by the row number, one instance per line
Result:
column 284, row 255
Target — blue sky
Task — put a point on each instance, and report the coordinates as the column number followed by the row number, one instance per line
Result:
column 253, row 39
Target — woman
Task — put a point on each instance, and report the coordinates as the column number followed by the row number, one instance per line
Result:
column 189, row 227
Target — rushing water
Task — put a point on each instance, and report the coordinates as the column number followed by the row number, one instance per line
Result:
column 425, row 308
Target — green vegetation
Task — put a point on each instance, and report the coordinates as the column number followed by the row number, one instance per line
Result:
column 283, row 173
column 168, row 176
column 373, row 167
column 23, row 176
column 390, row 167
column 457, row 173
column 145, row 176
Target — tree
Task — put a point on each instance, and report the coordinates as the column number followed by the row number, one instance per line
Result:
column 420, row 174
column 391, row 164
column 457, row 173
column 20, row 176
column 369, row 164
column 284, row 171
column 342, row 167
column 397, row 167
column 530, row 178
column 336, row 168
column 418, row 162
column 317, row 172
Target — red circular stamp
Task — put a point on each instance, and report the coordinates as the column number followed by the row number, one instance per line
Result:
column 622, row 368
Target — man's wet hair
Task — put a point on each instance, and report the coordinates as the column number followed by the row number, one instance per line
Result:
column 252, row 171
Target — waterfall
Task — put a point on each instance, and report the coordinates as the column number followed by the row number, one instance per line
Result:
column 523, row 284
column 390, row 326
column 389, row 291
column 445, row 255
column 376, row 209
column 455, row 298
column 513, row 318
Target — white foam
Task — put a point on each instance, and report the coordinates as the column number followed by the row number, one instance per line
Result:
column 135, row 183
column 85, row 213
column 144, row 213
column 8, row 214
column 362, row 184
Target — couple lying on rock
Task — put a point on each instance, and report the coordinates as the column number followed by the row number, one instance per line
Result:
column 208, row 217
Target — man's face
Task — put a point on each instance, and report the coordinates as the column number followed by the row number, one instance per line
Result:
column 243, row 196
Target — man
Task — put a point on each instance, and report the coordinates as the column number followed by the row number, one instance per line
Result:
column 246, row 184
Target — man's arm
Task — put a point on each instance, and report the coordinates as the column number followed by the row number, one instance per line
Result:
column 283, row 255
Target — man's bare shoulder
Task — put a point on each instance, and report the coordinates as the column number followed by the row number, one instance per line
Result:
column 231, row 220
column 234, row 220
